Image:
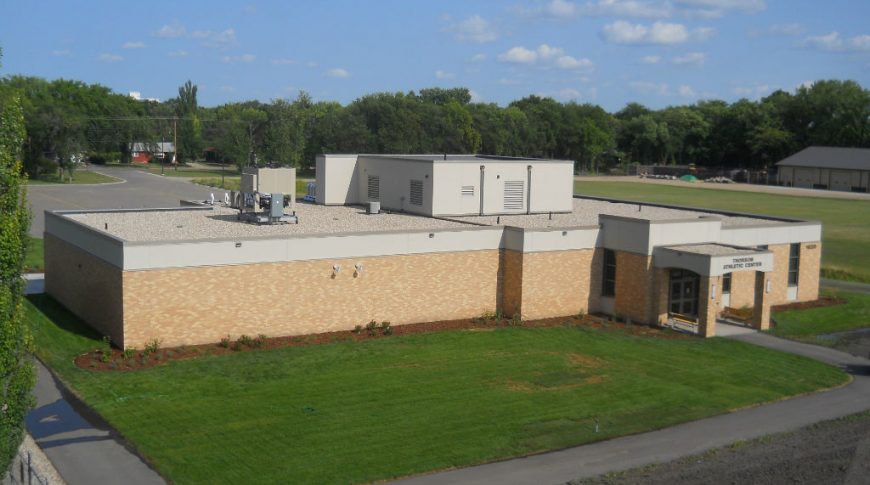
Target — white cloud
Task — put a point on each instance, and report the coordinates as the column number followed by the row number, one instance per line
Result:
column 473, row 29
column 860, row 43
column 718, row 8
column 475, row 96
column 439, row 74
column 650, row 59
column 518, row 55
column 110, row 58
column 171, row 31
column 753, row 92
column 568, row 93
column 622, row 32
column 568, row 62
column 687, row 91
column 508, row 82
column 241, row 58
column 805, row 85
column 227, row 88
column 337, row 72
column 628, row 8
column 477, row 58
column 61, row 53
column 561, row 8
column 786, row 29
column 283, row 62
column 544, row 55
column 830, row 41
column 646, row 87
column 179, row 53
column 133, row 45
column 210, row 38
column 690, row 59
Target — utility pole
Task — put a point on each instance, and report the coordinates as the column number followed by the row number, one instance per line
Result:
column 175, row 142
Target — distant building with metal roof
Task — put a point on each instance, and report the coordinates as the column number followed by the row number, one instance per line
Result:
column 834, row 168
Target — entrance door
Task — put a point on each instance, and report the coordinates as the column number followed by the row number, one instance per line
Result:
column 683, row 298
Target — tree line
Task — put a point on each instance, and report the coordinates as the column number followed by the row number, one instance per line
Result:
column 69, row 119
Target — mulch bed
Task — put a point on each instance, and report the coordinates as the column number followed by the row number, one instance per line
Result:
column 109, row 359
column 804, row 305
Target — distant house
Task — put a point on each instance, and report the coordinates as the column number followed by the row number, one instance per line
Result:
column 144, row 152
column 833, row 168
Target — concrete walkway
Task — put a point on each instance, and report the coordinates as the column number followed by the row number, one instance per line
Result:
column 82, row 448
column 685, row 439
column 846, row 286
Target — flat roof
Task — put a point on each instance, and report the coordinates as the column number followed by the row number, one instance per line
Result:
column 586, row 212
column 453, row 158
column 196, row 223
column 712, row 249
column 844, row 158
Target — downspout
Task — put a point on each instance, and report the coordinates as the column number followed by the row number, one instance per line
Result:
column 529, row 191
column 482, row 170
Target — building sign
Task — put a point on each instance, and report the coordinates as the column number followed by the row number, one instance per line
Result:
column 742, row 262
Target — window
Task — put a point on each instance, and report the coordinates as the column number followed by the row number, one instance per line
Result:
column 416, row 192
column 513, row 194
column 726, row 283
column 374, row 187
column 794, row 263
column 608, row 284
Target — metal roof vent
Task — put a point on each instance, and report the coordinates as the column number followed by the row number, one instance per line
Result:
column 373, row 207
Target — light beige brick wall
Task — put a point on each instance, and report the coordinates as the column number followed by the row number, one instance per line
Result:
column 742, row 289
column 203, row 304
column 779, row 275
column 555, row 283
column 634, row 287
column 88, row 286
column 708, row 305
column 808, row 273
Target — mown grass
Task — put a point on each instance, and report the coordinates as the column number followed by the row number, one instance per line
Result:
column 189, row 172
column 79, row 177
column 34, row 259
column 352, row 412
column 846, row 223
column 807, row 324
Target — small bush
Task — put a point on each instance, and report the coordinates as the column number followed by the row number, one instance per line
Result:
column 516, row 320
column 372, row 328
column 106, row 357
column 225, row 342
column 129, row 353
column 260, row 341
column 237, row 345
column 358, row 329
column 245, row 340
column 386, row 328
column 152, row 347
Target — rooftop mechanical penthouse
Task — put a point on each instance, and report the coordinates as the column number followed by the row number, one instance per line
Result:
column 456, row 236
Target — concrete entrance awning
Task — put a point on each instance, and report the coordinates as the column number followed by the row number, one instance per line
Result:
column 712, row 259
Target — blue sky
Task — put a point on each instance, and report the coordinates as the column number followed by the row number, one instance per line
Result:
column 607, row 52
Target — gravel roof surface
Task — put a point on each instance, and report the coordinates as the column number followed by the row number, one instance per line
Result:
column 586, row 212
column 221, row 222
column 711, row 249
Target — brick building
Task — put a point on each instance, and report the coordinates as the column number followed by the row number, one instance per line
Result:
column 192, row 275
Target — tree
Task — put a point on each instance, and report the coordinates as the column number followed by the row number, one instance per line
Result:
column 16, row 367
column 240, row 129
column 190, row 128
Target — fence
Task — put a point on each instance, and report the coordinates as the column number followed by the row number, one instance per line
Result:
column 31, row 467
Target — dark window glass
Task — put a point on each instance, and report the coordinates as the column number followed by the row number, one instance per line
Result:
column 794, row 263
column 608, row 286
column 726, row 283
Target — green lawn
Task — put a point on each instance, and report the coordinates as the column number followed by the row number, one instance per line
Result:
column 34, row 260
column 233, row 183
column 845, row 234
column 807, row 324
column 188, row 171
column 353, row 412
column 79, row 177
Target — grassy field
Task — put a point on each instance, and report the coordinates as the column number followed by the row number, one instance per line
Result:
column 845, row 234
column 189, row 172
column 79, row 177
column 353, row 412
column 807, row 324
column 35, row 257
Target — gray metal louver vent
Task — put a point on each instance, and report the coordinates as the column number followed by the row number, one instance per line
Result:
column 374, row 192
column 513, row 194
column 468, row 190
column 416, row 192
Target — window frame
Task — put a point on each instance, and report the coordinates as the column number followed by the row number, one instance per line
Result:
column 608, row 274
column 794, row 263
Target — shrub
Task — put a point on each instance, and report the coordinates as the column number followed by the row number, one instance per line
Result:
column 358, row 329
column 152, row 347
column 225, row 342
column 245, row 340
column 372, row 328
column 386, row 328
column 516, row 320
column 237, row 345
column 260, row 341
column 129, row 353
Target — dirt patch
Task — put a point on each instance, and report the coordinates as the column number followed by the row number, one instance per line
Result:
column 585, row 360
column 108, row 359
column 524, row 386
column 804, row 305
column 830, row 452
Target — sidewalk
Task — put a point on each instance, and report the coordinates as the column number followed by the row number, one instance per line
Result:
column 684, row 439
column 83, row 451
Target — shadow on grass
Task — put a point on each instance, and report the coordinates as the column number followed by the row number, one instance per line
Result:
column 62, row 317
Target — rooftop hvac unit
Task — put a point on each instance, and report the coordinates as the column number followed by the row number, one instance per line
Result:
column 373, row 207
